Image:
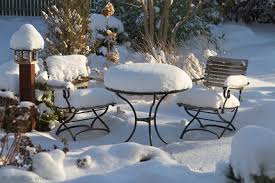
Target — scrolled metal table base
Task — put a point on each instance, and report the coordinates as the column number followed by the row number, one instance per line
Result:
column 152, row 116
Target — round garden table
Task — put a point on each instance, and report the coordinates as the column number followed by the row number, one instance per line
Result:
column 145, row 79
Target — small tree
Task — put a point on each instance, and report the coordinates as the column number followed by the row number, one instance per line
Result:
column 67, row 27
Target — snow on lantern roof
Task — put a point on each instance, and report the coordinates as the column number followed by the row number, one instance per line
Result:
column 27, row 38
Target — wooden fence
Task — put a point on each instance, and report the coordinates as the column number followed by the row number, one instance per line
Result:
column 29, row 7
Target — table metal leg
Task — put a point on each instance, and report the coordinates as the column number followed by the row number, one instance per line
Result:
column 152, row 116
column 135, row 114
column 155, row 118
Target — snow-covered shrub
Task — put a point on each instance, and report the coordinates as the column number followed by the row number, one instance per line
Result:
column 107, row 34
column 186, row 18
column 49, row 165
column 67, row 27
column 252, row 155
column 262, row 11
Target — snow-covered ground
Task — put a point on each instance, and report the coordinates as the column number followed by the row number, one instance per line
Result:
column 193, row 159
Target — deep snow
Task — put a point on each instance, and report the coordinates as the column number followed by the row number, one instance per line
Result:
column 192, row 159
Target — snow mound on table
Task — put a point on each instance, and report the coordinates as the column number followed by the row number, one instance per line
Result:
column 67, row 68
column 14, row 175
column 49, row 165
column 99, row 23
column 26, row 38
column 146, row 77
column 252, row 153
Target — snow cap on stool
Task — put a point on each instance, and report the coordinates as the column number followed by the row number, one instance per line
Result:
column 27, row 38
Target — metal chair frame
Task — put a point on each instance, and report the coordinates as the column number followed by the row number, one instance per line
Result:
column 223, row 67
column 97, row 111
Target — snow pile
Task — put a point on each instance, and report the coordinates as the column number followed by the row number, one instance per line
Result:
column 14, row 175
column 50, row 165
column 91, row 97
column 26, row 104
column 252, row 153
column 112, row 157
column 26, row 38
column 99, row 23
column 204, row 97
column 146, row 77
column 67, row 68
column 9, row 77
column 7, row 94
column 236, row 81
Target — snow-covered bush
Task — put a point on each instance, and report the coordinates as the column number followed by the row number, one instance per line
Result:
column 252, row 155
column 107, row 34
column 67, row 27
column 49, row 165
column 186, row 18
column 262, row 11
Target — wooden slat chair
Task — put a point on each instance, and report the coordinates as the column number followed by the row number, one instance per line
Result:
column 72, row 96
column 225, row 74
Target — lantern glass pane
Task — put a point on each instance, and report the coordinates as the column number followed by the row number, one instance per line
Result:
column 26, row 55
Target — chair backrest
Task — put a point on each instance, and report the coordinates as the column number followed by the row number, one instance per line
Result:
column 218, row 69
column 67, row 68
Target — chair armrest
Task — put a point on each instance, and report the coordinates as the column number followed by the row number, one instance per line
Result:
column 197, row 79
column 236, row 82
column 56, row 84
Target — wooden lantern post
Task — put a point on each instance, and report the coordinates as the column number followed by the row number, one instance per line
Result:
column 26, row 60
column 26, row 43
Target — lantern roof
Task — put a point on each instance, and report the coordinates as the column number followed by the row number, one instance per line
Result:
column 27, row 38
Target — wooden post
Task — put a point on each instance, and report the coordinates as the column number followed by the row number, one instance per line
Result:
column 27, row 82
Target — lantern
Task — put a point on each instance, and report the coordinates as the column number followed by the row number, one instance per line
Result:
column 26, row 43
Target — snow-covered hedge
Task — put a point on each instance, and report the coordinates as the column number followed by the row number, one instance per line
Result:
column 262, row 11
column 252, row 155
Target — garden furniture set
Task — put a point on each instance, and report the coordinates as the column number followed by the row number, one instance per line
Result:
column 152, row 80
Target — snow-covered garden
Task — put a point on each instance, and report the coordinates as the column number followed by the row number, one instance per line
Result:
column 137, row 83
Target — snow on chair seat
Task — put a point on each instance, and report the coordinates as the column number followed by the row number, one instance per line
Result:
column 205, row 98
column 227, row 74
column 85, row 98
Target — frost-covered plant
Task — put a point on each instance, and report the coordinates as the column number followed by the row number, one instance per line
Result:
column 105, row 39
column 248, row 11
column 165, row 21
column 67, row 28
